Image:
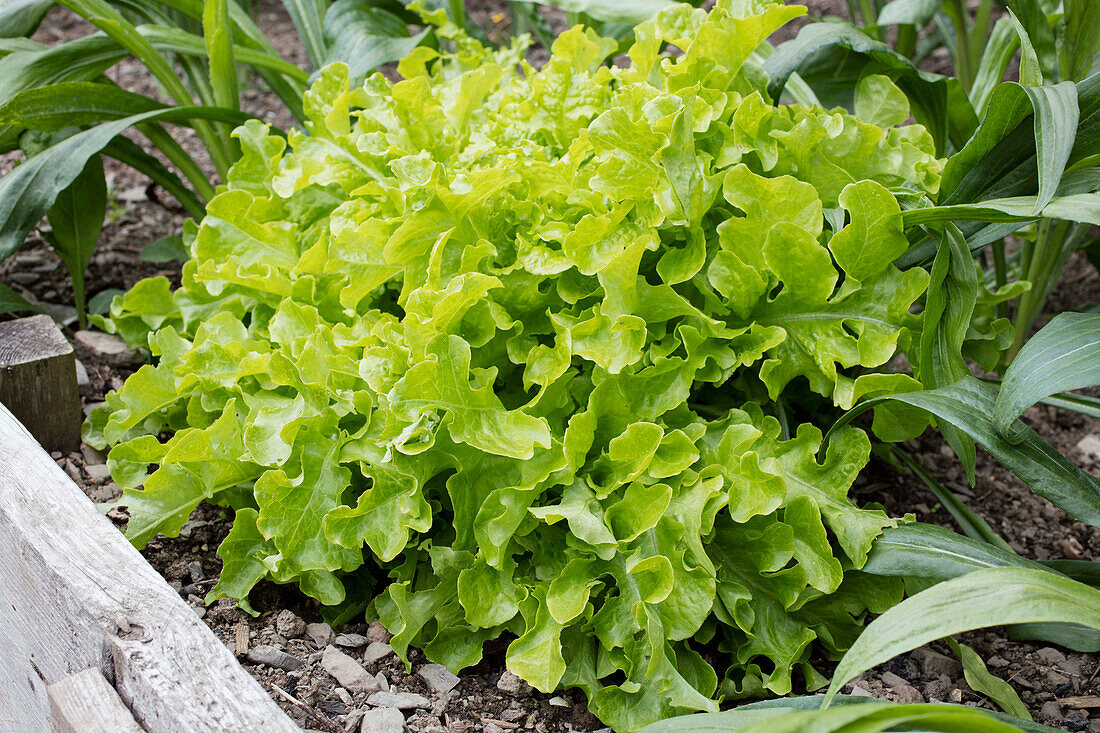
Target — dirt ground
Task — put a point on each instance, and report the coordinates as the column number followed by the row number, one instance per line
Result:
column 286, row 641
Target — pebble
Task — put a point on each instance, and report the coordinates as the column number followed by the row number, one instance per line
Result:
column 382, row 720
column 1090, row 446
column 934, row 664
column 937, row 689
column 352, row 641
column 194, row 569
column 1053, row 679
column 348, row 672
column 1072, row 667
column 560, row 702
column 352, row 719
column 70, row 469
column 399, row 700
column 82, row 378
column 377, row 632
column 1051, row 711
column 491, row 728
column 376, row 650
column 512, row 684
column 320, row 634
column 108, row 347
column 289, row 625
column 892, row 680
column 272, row 657
column 997, row 661
column 438, row 677
column 99, row 474
column 860, row 692
column 1050, row 655
column 382, row 681
column 92, row 457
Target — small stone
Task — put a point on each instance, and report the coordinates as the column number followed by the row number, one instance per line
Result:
column 937, row 689
column 934, row 664
column 108, row 347
column 92, row 457
column 289, row 625
column 512, row 684
column 860, row 692
column 200, row 611
column 272, row 657
column 892, row 680
column 320, row 634
column 98, row 474
column 438, row 677
column 491, row 728
column 997, row 661
column 352, row 719
column 382, row 681
column 351, row 641
column 382, row 720
column 70, row 469
column 1090, row 446
column 909, row 695
column 1050, row 655
column 194, row 569
column 82, row 378
column 1094, row 726
column 376, row 650
column 560, row 702
column 1072, row 666
column 1051, row 711
column 348, row 672
column 399, row 700
column 377, row 632
column 1053, row 679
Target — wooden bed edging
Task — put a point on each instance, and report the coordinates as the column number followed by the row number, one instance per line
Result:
column 75, row 594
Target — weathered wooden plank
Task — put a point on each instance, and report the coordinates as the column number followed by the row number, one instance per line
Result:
column 86, row 703
column 38, row 381
column 76, row 595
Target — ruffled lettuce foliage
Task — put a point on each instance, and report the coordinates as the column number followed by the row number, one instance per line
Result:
column 510, row 342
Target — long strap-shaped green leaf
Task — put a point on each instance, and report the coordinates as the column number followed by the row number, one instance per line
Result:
column 28, row 191
column 21, row 17
column 307, row 16
column 1080, row 207
column 992, row 597
column 217, row 32
column 770, row 716
column 1055, row 115
column 1064, row 355
column 952, row 294
column 100, row 14
column 968, row 404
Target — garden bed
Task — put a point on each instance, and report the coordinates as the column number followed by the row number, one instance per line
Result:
column 284, row 648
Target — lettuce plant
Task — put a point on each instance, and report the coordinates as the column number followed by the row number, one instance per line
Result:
column 524, row 350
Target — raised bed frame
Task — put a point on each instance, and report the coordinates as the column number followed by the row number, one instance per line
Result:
column 75, row 595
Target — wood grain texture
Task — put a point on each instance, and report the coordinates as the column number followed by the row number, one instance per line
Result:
column 38, row 381
column 75, row 594
column 86, row 703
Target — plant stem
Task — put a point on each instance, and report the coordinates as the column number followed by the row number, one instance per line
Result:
column 178, row 157
column 1000, row 272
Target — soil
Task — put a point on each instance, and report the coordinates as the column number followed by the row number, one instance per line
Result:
column 1057, row 686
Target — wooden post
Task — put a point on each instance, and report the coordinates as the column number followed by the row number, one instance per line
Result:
column 75, row 594
column 86, row 703
column 38, row 381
